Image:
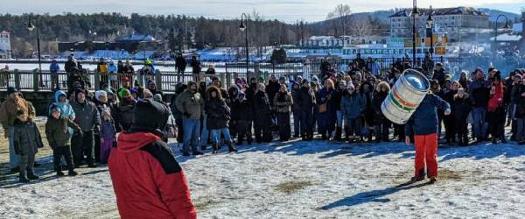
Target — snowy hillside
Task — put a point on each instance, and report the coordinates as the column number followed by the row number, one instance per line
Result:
column 304, row 180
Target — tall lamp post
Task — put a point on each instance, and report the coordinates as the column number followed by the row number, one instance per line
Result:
column 430, row 33
column 414, row 15
column 31, row 27
column 244, row 28
column 506, row 27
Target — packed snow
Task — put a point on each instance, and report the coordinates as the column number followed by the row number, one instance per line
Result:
column 302, row 180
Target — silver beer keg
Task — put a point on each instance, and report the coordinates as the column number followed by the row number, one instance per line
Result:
column 405, row 96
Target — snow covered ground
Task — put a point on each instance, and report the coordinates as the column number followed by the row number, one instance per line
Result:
column 303, row 180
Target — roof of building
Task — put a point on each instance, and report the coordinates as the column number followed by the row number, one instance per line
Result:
column 137, row 37
column 440, row 11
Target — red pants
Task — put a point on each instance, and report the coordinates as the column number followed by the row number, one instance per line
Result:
column 426, row 155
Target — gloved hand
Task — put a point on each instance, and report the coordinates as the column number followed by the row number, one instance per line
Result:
column 186, row 114
column 447, row 112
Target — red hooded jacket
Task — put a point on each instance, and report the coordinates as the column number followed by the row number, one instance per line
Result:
column 148, row 181
column 496, row 99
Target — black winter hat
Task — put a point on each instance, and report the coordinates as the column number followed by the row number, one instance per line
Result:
column 149, row 115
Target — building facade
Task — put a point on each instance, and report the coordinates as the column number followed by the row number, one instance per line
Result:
column 342, row 41
column 5, row 45
column 455, row 23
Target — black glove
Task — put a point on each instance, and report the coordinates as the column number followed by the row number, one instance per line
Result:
column 187, row 114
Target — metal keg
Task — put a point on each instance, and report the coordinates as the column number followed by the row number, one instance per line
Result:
column 405, row 96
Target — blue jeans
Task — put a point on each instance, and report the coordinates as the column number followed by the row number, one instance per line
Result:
column 13, row 158
column 216, row 135
column 478, row 122
column 204, row 132
column 340, row 118
column 297, row 122
column 191, row 134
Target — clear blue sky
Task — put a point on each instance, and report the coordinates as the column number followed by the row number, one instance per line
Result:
column 286, row 10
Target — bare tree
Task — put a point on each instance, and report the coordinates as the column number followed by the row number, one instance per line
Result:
column 341, row 13
column 361, row 27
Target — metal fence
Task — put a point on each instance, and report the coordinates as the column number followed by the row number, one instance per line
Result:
column 167, row 80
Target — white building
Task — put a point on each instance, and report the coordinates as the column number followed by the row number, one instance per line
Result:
column 5, row 45
column 455, row 23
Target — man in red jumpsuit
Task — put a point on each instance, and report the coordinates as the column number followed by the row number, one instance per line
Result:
column 423, row 124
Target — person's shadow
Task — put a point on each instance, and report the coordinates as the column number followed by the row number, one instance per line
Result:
column 372, row 196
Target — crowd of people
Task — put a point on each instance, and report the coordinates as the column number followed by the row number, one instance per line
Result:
column 337, row 106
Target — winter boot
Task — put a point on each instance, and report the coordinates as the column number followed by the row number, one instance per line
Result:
column 231, row 147
column 22, row 177
column 60, row 173
column 215, row 148
column 432, row 180
column 203, row 147
column 195, row 153
column 72, row 173
column 338, row 133
column 31, row 175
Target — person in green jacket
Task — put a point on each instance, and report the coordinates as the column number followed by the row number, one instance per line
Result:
column 59, row 139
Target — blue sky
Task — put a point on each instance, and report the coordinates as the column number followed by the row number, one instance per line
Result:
column 287, row 10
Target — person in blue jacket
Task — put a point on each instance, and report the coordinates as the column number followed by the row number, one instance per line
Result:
column 61, row 102
column 112, row 69
column 423, row 124
column 54, row 68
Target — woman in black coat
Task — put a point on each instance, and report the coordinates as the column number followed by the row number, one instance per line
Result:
column 382, row 124
column 282, row 103
column 450, row 125
column 307, row 101
column 218, row 116
column 461, row 107
column 263, row 120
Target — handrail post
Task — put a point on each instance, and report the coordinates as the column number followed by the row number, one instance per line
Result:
column 228, row 79
column 158, row 79
column 35, row 80
column 223, row 78
column 97, row 80
column 17, row 79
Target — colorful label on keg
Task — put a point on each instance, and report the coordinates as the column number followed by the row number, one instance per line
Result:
column 399, row 102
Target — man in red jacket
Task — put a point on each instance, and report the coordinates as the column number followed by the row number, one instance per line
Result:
column 148, row 181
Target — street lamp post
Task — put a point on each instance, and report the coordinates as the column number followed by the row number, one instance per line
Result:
column 414, row 15
column 244, row 28
column 496, row 29
column 31, row 27
column 430, row 33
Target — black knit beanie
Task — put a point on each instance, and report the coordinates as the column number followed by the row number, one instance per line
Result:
column 149, row 115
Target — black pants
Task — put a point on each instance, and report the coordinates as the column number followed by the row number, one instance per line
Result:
column 60, row 152
column 382, row 129
column 307, row 123
column 283, row 121
column 83, row 145
column 263, row 134
column 496, row 122
column 244, row 129
column 450, row 128
column 462, row 130
column 399, row 131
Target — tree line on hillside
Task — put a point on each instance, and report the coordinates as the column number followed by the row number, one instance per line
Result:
column 179, row 31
